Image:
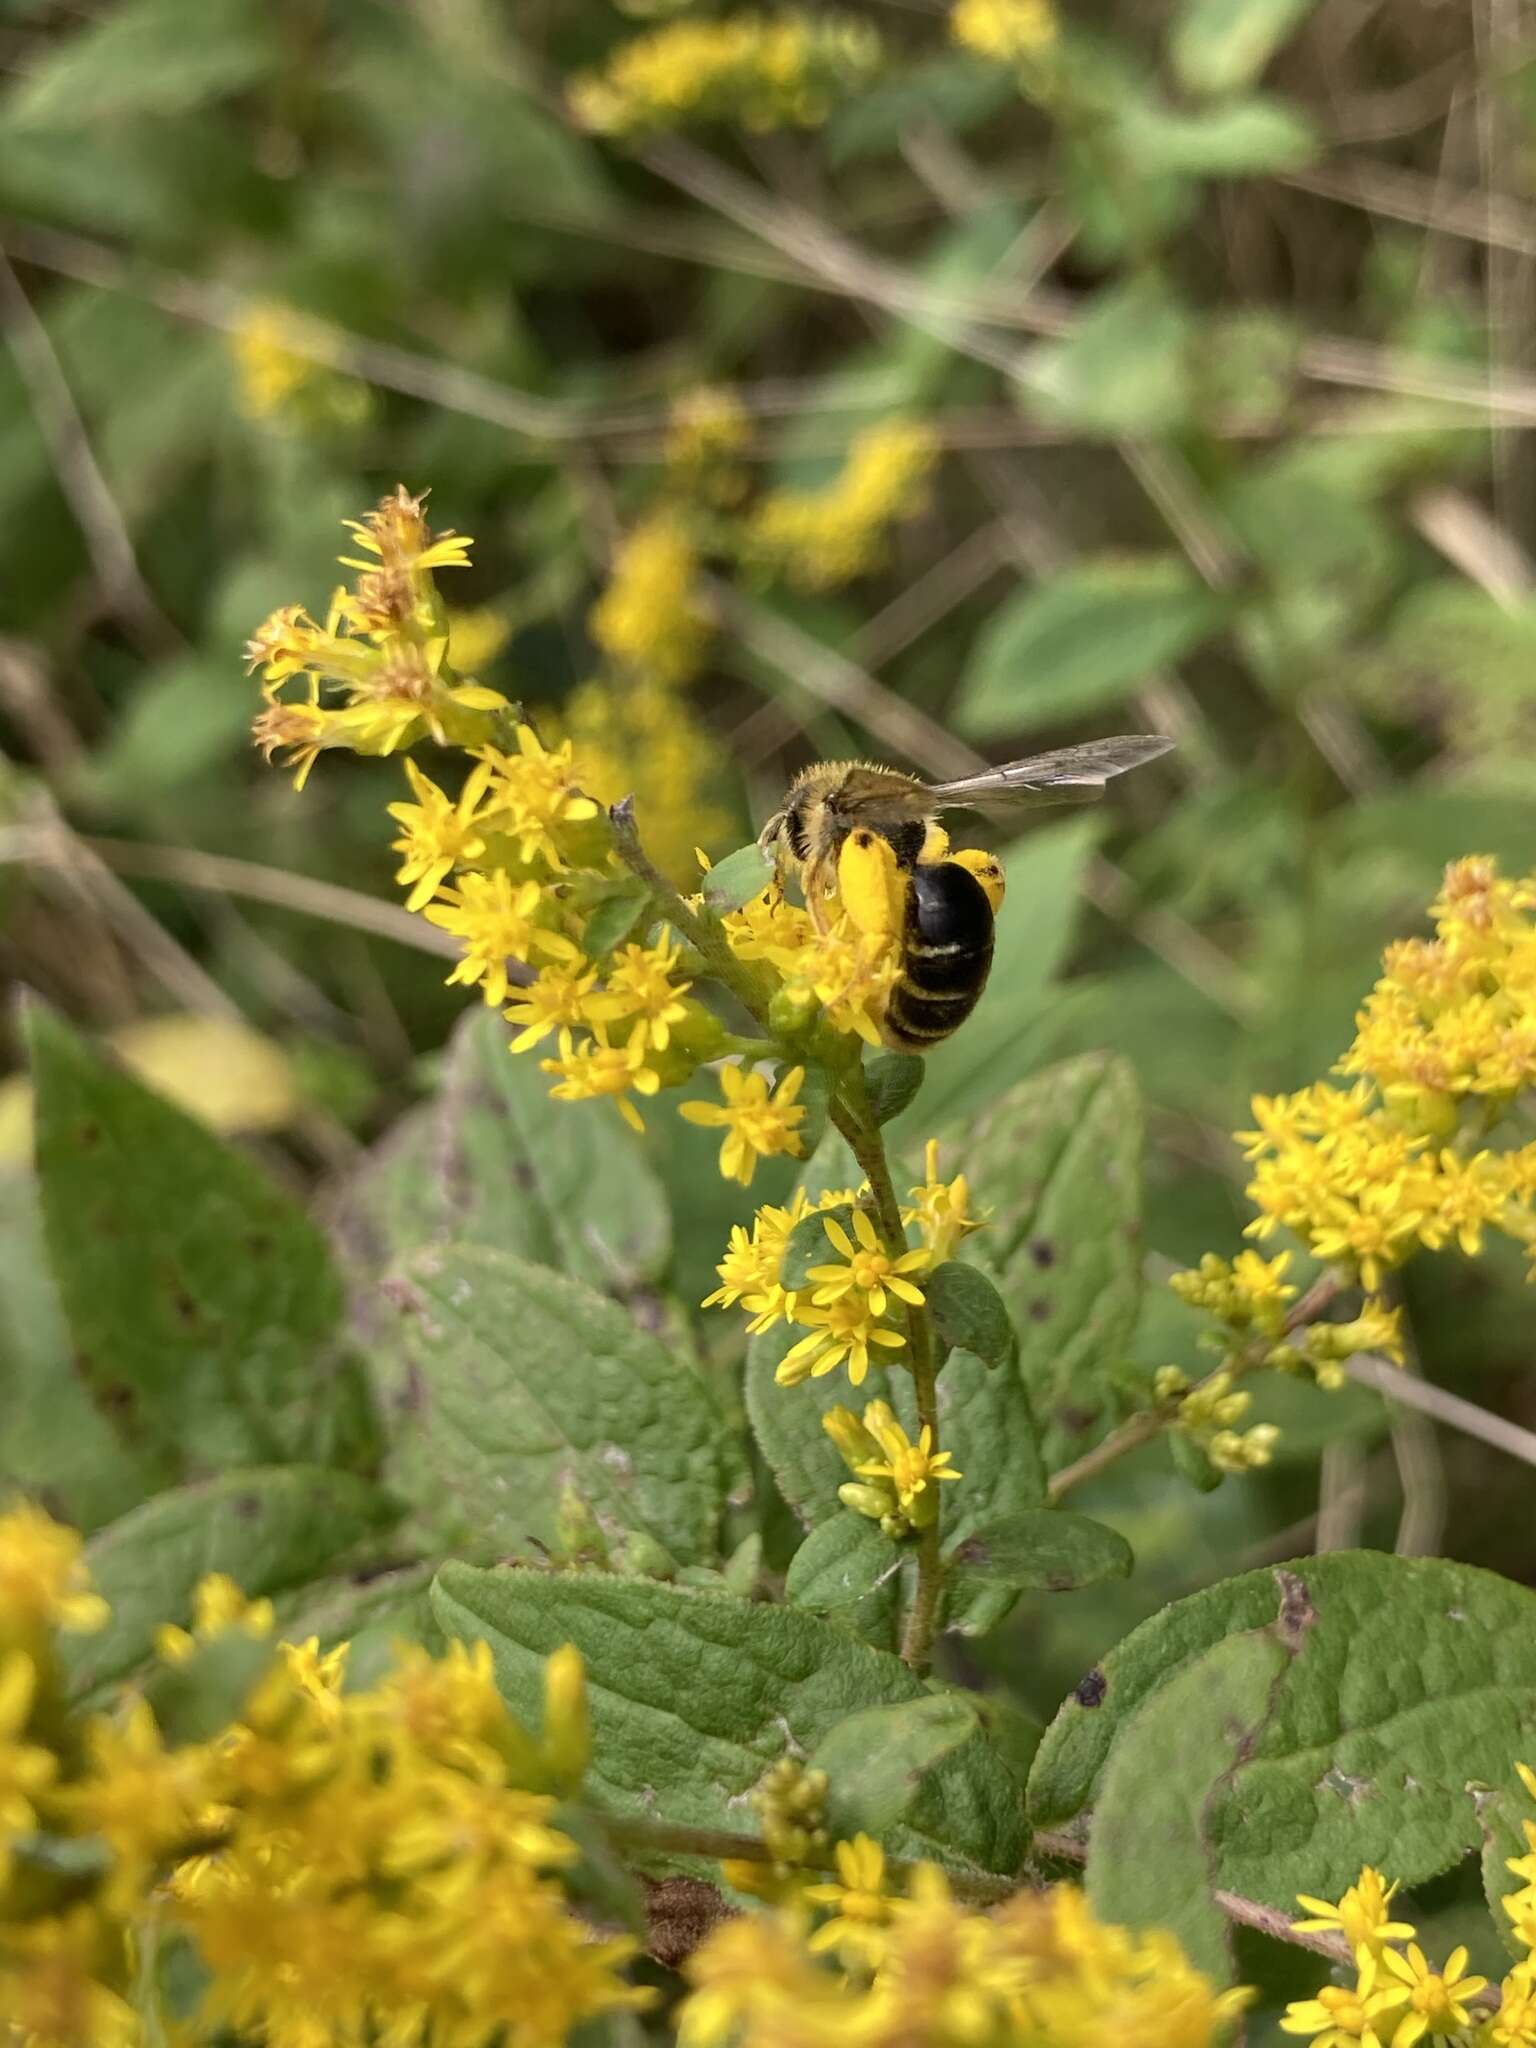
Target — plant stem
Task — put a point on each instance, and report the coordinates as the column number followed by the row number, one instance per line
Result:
column 1141, row 1429
column 850, row 1112
column 702, row 933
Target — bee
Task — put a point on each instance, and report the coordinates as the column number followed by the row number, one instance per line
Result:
column 869, row 839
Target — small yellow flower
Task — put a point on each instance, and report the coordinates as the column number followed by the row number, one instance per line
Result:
column 1007, row 31
column 941, row 1209
column 43, row 1580
column 843, row 1330
column 1515, row 2024
column 1439, row 2002
column 494, row 918
column 868, row 1270
column 564, row 995
column 1361, row 1915
column 641, row 984
column 596, row 1068
column 51, row 1982
column 439, row 833
column 857, row 1933
column 25, row 1769
column 1347, row 2016
column 649, row 620
column 825, row 537
column 757, row 1125
column 913, row 1469
column 533, row 797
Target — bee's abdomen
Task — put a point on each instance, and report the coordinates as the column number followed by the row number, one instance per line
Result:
column 946, row 956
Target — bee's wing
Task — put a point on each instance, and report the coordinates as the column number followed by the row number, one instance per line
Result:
column 1069, row 775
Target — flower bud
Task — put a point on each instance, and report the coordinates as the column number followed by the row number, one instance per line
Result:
column 874, row 1501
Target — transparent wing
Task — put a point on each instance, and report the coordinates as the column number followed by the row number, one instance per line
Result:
column 1069, row 775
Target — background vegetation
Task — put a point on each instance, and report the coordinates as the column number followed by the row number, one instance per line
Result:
column 1220, row 323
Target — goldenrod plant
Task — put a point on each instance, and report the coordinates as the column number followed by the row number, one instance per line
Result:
column 771, row 1410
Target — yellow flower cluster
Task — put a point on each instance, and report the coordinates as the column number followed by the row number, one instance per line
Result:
column 383, row 648
column 759, row 70
column 1391, row 1997
column 898, row 1480
column 351, row 1866
column 282, row 376
column 821, row 538
column 891, row 1970
column 1007, row 31
column 1412, row 1155
column 851, row 1304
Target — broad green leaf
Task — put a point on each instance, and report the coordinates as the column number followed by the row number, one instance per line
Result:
column 1034, row 929
column 56, row 1441
column 498, row 1162
column 1150, row 1863
column 737, row 879
column 505, row 1383
column 138, row 60
column 893, row 1079
column 1413, row 1683
column 968, row 1312
column 1082, row 640
column 876, row 1760
column 1046, row 1549
column 1241, row 139
column 1057, row 1162
column 846, row 1568
column 197, row 1700
column 269, row 1530
column 202, row 1304
column 953, row 89
column 1222, row 45
column 694, row 1695
column 1127, row 368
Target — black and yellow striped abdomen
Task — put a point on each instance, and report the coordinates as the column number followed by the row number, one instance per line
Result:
column 946, row 955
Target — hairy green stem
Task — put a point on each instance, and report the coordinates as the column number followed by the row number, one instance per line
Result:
column 702, row 933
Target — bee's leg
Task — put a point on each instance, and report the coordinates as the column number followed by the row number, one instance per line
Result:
column 817, row 883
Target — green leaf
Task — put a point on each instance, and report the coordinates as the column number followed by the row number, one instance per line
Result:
column 195, row 1701
column 1150, row 1863
column 506, row 1382
column 1126, row 369
column 1086, row 638
column 1244, row 139
column 876, row 1761
column 56, row 1441
column 372, row 1614
column 1500, row 1811
column 952, row 89
column 1414, row 1679
column 893, row 1079
column 269, row 1530
column 202, row 1303
column 737, row 879
column 613, row 920
column 968, row 1312
column 694, row 1695
column 1045, row 1549
column 1222, row 45
column 498, row 1162
column 138, row 60
column 998, row 1044
column 847, row 1568
column 1058, row 1163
